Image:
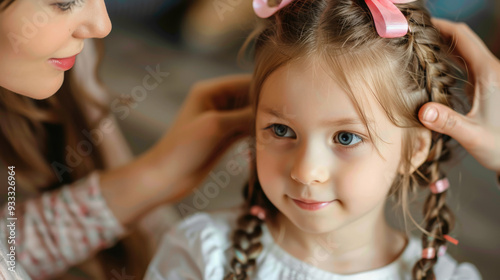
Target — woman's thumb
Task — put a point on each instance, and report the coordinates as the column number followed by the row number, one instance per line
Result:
column 443, row 119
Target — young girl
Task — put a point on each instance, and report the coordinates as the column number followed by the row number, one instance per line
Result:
column 336, row 91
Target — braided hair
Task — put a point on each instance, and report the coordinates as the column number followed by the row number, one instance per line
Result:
column 405, row 73
column 429, row 62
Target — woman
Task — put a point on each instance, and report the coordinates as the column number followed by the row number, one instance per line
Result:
column 38, row 41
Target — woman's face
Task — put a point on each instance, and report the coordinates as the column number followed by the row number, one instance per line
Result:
column 39, row 40
column 315, row 161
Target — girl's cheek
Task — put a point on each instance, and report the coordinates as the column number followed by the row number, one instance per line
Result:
column 266, row 164
column 359, row 179
column 264, row 141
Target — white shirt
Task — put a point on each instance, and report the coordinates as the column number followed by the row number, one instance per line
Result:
column 199, row 248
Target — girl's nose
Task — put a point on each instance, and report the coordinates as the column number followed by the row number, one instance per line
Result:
column 310, row 166
column 95, row 21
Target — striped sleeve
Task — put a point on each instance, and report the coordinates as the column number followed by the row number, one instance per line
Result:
column 62, row 228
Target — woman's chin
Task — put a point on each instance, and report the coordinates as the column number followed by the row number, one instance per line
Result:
column 43, row 90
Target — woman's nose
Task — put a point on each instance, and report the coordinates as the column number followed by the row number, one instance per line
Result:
column 95, row 21
column 310, row 166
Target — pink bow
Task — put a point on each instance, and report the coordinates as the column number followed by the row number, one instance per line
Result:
column 263, row 10
column 389, row 20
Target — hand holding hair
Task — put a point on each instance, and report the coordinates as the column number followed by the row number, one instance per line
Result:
column 479, row 130
column 209, row 121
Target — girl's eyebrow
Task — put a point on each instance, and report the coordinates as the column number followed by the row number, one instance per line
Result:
column 335, row 122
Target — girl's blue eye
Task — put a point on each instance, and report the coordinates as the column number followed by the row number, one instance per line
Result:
column 282, row 130
column 347, row 138
column 66, row 6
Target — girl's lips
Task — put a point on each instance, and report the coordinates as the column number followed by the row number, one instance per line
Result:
column 63, row 64
column 312, row 205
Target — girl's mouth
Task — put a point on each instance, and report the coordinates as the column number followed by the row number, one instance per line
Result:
column 312, row 205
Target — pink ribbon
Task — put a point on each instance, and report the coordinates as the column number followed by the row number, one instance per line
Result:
column 264, row 11
column 389, row 20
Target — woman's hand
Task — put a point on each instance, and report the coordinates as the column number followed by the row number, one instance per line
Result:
column 479, row 130
column 215, row 114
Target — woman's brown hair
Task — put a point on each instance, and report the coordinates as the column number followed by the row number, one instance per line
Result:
column 402, row 74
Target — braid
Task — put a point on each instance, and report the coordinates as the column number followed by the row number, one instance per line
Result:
column 431, row 71
column 428, row 65
column 246, row 237
column 246, row 246
column 437, row 216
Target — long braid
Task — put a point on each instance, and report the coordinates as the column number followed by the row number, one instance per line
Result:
column 431, row 71
column 246, row 246
column 246, row 237
column 438, row 218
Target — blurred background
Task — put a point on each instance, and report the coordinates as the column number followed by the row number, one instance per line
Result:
column 199, row 39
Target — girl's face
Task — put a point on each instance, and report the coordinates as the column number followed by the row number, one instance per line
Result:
column 314, row 159
column 39, row 39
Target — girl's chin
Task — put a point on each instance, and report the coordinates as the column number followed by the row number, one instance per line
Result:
column 314, row 226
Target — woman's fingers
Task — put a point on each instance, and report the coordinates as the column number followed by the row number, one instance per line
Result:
column 466, row 44
column 442, row 119
column 223, row 93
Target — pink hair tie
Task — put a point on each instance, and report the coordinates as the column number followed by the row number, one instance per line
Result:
column 428, row 253
column 389, row 20
column 258, row 211
column 442, row 250
column 440, row 186
column 451, row 239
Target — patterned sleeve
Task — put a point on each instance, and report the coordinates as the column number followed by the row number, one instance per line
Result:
column 61, row 228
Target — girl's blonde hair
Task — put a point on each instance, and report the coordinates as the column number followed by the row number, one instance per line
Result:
column 401, row 73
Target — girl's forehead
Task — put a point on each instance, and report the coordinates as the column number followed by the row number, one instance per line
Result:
column 307, row 93
column 307, row 83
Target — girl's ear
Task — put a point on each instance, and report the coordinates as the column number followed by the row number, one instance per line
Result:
column 420, row 149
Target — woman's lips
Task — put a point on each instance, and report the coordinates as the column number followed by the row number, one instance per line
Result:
column 312, row 205
column 63, row 64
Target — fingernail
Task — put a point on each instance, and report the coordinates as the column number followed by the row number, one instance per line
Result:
column 430, row 114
